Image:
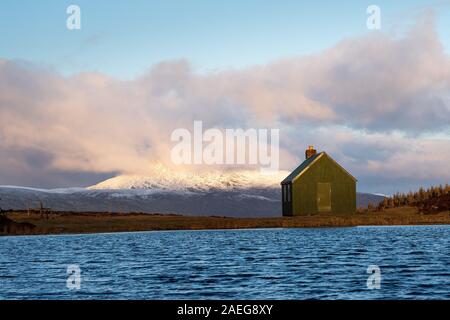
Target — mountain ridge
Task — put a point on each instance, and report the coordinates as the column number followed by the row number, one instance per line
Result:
column 167, row 180
column 230, row 193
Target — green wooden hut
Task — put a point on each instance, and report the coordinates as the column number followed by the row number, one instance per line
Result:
column 318, row 185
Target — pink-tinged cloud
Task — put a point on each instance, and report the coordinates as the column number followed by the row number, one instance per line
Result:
column 370, row 93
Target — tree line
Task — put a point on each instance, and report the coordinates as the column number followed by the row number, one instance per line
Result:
column 412, row 198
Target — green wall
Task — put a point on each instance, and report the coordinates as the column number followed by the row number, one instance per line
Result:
column 343, row 188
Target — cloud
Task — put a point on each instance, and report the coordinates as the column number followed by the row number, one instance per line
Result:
column 368, row 101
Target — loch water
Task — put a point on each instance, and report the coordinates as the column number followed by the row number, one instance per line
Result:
column 317, row 263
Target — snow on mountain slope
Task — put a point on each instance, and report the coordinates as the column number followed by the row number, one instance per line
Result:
column 164, row 179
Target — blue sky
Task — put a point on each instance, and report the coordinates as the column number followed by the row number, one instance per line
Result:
column 125, row 38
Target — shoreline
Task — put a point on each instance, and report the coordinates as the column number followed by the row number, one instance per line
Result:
column 67, row 223
column 195, row 230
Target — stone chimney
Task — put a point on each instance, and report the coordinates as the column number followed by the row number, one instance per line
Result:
column 310, row 152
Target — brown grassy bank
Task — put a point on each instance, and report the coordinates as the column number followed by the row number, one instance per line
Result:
column 72, row 222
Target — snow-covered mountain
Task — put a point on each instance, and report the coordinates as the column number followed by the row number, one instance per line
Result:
column 164, row 179
column 236, row 194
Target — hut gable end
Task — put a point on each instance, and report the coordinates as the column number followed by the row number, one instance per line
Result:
column 318, row 185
